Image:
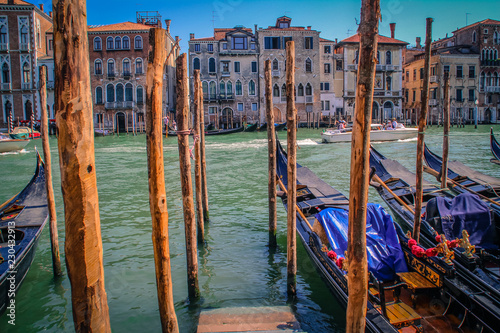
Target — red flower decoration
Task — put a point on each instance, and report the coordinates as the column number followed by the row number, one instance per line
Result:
column 412, row 243
column 438, row 238
column 432, row 252
column 452, row 244
column 417, row 251
column 340, row 262
column 332, row 255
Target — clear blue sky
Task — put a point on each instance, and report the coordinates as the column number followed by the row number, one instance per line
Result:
column 334, row 18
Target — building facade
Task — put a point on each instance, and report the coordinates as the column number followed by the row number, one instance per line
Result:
column 25, row 43
column 118, row 64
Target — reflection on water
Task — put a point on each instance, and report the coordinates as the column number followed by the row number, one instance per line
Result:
column 236, row 267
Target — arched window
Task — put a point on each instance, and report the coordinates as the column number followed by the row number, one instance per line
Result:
column 98, row 67
column 109, row 43
column 97, row 44
column 126, row 67
column 276, row 65
column 300, row 90
column 491, row 55
column 229, row 89
column 483, row 55
column 111, row 67
column 213, row 90
column 129, row 95
column 356, row 56
column 283, row 90
column 28, row 110
column 276, row 90
column 140, row 95
column 211, row 65
column 4, row 34
column 138, row 42
column 495, row 38
column 138, row 66
column 7, row 109
column 98, row 95
column 495, row 55
column 204, row 86
column 24, row 35
column 488, row 80
column 110, row 93
column 481, row 81
column 126, row 43
column 473, row 36
column 5, row 73
column 26, row 73
column 222, row 89
column 119, row 92
column 388, row 58
column 118, row 43
column 308, row 65
column 308, row 89
column 196, row 63
column 388, row 83
column 495, row 79
column 378, row 57
column 251, row 88
column 239, row 90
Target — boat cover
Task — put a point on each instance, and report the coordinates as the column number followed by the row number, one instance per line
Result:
column 465, row 211
column 385, row 257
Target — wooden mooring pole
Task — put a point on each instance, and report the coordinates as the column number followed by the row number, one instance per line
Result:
column 357, row 274
column 197, row 157
column 446, row 130
column 44, row 128
column 291, row 123
column 421, row 131
column 186, row 183
column 83, row 242
column 204, row 188
column 271, row 154
column 156, row 180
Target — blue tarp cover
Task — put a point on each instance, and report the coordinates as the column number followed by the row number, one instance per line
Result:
column 385, row 257
column 465, row 211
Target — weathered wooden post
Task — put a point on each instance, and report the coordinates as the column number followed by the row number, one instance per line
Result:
column 291, row 123
column 11, row 123
column 204, row 188
column 357, row 276
column 197, row 157
column 421, row 131
column 271, row 154
column 32, row 123
column 44, row 128
column 83, row 242
column 446, row 130
column 185, row 165
column 156, row 180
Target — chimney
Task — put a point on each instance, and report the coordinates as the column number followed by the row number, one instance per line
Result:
column 143, row 21
column 255, row 26
column 393, row 28
column 167, row 25
column 41, row 7
column 418, row 46
column 50, row 14
column 176, row 38
column 191, row 36
column 308, row 27
column 336, row 41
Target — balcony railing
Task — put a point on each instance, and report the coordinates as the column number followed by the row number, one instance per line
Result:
column 276, row 73
column 26, row 86
column 433, row 102
column 493, row 89
column 380, row 67
column 225, row 73
column 109, row 105
column 433, row 79
column 283, row 98
column 389, row 67
column 226, row 97
column 127, row 74
column 24, row 46
column 111, row 75
column 4, row 46
column 491, row 63
column 309, row 99
column 6, row 86
column 352, row 67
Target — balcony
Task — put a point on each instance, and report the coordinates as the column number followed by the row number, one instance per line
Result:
column 433, row 102
column 24, row 46
column 490, row 63
column 226, row 97
column 50, row 84
column 6, row 86
column 127, row 75
column 380, row 67
column 493, row 89
column 110, row 105
column 111, row 75
column 26, row 86
column 276, row 73
column 352, row 67
column 225, row 73
column 4, row 46
column 433, row 79
column 389, row 67
column 309, row 99
column 283, row 98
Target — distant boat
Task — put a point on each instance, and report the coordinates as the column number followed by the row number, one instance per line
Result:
column 263, row 127
column 495, row 148
column 28, row 213
column 7, row 144
column 101, row 132
column 251, row 127
column 280, row 127
column 24, row 132
column 225, row 131
column 377, row 133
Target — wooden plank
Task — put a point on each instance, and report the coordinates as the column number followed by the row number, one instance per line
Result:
column 416, row 280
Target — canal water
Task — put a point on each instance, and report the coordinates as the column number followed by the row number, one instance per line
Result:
column 236, row 268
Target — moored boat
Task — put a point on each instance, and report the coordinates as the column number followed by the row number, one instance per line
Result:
column 377, row 133
column 8, row 145
column 495, row 148
column 251, row 127
column 280, row 127
column 24, row 132
column 22, row 219
column 427, row 294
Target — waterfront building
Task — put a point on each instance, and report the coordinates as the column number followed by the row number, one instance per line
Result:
column 26, row 42
column 118, row 63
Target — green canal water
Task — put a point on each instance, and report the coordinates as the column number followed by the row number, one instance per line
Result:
column 236, row 268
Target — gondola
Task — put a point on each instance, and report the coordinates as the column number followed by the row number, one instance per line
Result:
column 279, row 127
column 495, row 148
column 251, row 127
column 8, row 145
column 427, row 295
column 477, row 270
column 22, row 219
column 215, row 132
column 263, row 127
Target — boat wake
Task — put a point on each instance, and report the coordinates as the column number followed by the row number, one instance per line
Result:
column 253, row 144
column 22, row 151
column 307, row 142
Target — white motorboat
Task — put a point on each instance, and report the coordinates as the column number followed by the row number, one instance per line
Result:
column 377, row 133
column 7, row 144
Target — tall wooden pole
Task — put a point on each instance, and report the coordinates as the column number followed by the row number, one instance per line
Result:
column 421, row 131
column 156, row 180
column 197, row 157
column 186, row 183
column 291, row 117
column 446, row 130
column 357, row 275
column 32, row 120
column 83, row 242
column 54, row 239
column 204, row 188
column 271, row 151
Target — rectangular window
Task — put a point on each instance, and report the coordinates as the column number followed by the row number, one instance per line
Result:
column 407, row 75
column 421, row 73
column 225, row 66
column 459, row 95
column 339, row 65
column 252, row 46
column 406, row 96
column 254, row 66
column 224, row 46
column 446, row 68
column 98, row 68
column 51, row 44
column 327, row 105
column 321, row 86
column 197, row 48
column 327, row 68
column 460, row 72
column 414, row 95
column 472, row 95
column 324, row 86
column 308, row 43
column 240, row 106
column 239, row 43
column 236, row 66
column 414, row 74
column 327, row 49
column 472, row 72
column 254, row 106
column 434, row 93
column 286, row 39
column 212, row 109
column 271, row 43
column 210, row 47
column 322, row 105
